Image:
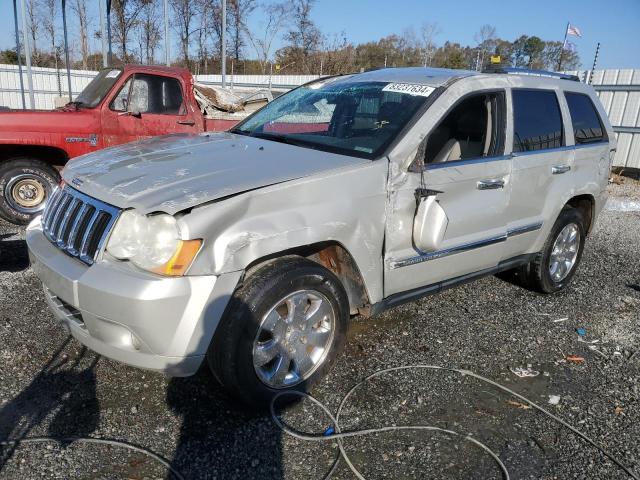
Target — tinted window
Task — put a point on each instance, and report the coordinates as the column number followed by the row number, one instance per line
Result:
column 537, row 120
column 472, row 129
column 587, row 126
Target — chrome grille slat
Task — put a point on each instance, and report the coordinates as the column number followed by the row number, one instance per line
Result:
column 74, row 230
column 71, row 209
column 78, row 224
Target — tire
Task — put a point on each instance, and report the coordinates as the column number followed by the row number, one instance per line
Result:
column 244, row 330
column 539, row 274
column 33, row 177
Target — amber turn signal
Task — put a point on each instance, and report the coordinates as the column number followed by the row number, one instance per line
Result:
column 181, row 260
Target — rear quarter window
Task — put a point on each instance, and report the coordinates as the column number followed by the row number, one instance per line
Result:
column 587, row 125
column 537, row 121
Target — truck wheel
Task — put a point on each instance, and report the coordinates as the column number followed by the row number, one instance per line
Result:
column 554, row 267
column 282, row 330
column 25, row 185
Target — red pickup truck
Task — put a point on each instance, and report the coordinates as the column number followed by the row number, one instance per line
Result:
column 119, row 105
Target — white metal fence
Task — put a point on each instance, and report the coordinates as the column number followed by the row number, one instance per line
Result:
column 49, row 83
column 619, row 91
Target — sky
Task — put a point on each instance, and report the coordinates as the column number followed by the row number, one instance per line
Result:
column 613, row 23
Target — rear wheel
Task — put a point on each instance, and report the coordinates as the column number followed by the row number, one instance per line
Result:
column 554, row 267
column 282, row 330
column 25, row 186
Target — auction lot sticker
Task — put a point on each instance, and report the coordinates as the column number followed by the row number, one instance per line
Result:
column 409, row 88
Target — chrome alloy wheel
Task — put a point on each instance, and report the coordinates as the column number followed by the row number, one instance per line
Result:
column 27, row 193
column 293, row 339
column 564, row 253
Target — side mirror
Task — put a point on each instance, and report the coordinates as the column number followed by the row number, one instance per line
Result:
column 430, row 223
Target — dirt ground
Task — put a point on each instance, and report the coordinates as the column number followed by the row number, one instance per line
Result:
column 51, row 386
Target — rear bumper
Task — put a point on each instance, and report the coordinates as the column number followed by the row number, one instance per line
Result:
column 140, row 319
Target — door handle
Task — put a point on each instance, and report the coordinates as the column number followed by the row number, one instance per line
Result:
column 558, row 169
column 493, row 184
column 186, row 122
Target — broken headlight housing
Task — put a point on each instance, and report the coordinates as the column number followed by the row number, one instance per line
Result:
column 152, row 242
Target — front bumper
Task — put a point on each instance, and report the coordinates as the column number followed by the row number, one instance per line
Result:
column 130, row 316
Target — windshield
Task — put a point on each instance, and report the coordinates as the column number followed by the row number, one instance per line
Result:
column 93, row 93
column 339, row 115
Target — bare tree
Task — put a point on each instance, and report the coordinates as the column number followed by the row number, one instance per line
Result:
column 80, row 9
column 149, row 32
column 33, row 24
column 304, row 37
column 240, row 11
column 275, row 15
column 486, row 39
column 126, row 14
column 185, row 13
column 48, row 13
column 428, row 32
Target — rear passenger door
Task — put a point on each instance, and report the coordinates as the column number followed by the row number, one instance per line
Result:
column 539, row 159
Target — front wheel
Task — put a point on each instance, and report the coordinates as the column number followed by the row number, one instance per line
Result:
column 281, row 331
column 554, row 267
column 25, row 186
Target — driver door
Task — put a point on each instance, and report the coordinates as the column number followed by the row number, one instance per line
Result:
column 146, row 106
column 448, row 217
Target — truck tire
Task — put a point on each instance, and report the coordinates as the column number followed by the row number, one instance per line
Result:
column 281, row 331
column 556, row 264
column 25, row 186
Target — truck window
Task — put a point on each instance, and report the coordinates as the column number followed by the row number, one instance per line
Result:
column 119, row 104
column 472, row 129
column 587, row 126
column 150, row 94
column 537, row 120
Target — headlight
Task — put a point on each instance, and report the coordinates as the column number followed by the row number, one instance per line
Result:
column 152, row 243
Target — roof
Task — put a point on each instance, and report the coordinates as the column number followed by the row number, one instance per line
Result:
column 433, row 77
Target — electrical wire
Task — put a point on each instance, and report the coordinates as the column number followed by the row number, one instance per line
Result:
column 339, row 436
column 98, row 441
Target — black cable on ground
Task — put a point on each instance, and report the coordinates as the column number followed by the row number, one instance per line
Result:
column 98, row 441
column 338, row 436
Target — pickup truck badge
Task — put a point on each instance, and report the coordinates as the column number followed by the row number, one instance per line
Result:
column 91, row 140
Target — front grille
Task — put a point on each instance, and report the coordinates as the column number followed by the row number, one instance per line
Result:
column 69, row 311
column 77, row 224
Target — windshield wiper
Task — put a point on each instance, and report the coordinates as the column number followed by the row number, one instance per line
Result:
column 278, row 138
column 76, row 103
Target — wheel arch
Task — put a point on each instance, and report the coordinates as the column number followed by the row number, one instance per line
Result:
column 334, row 257
column 54, row 156
column 586, row 205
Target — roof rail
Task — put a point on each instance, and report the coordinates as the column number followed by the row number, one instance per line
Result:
column 535, row 73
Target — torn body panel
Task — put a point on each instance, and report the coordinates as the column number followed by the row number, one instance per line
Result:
column 346, row 207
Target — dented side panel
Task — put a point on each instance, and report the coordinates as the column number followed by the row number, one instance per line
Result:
column 346, row 207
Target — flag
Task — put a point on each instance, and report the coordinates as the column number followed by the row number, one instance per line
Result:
column 570, row 47
column 573, row 30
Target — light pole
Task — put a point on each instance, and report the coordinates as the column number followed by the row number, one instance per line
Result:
column 15, row 21
column 27, row 53
column 166, row 33
column 223, row 39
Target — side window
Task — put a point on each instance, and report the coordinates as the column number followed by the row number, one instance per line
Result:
column 537, row 120
column 121, row 102
column 150, row 94
column 587, row 126
column 472, row 129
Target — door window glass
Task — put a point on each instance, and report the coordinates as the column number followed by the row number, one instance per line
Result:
column 587, row 127
column 150, row 94
column 537, row 120
column 120, row 103
column 472, row 129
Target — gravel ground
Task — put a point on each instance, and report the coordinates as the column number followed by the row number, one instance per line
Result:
column 51, row 386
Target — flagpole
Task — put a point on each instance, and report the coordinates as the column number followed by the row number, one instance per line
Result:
column 564, row 44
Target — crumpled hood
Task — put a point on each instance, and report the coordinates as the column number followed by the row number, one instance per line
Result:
column 175, row 172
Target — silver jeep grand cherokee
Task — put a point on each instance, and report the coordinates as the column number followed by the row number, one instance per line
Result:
column 348, row 195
